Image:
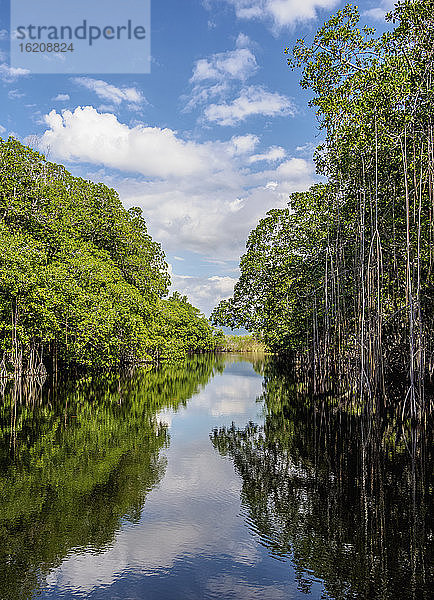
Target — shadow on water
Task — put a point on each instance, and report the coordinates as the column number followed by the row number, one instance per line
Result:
column 341, row 492
column 79, row 458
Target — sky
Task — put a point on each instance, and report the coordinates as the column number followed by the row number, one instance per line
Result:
column 218, row 133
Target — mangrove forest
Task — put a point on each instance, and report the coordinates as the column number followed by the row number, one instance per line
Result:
column 82, row 283
column 342, row 279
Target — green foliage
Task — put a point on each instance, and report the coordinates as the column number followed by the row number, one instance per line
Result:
column 282, row 264
column 241, row 343
column 345, row 274
column 179, row 329
column 80, row 278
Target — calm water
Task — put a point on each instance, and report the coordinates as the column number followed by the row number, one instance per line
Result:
column 218, row 478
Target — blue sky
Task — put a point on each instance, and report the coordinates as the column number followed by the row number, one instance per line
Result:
column 215, row 136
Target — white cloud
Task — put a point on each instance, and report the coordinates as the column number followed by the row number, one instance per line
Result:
column 216, row 76
column 109, row 92
column 252, row 101
column 244, row 143
column 234, row 64
column 273, row 154
column 61, row 98
column 2, row 129
column 86, row 135
column 196, row 197
column 201, row 94
column 294, row 168
column 378, row 12
column 281, row 13
column 243, row 41
column 214, row 215
column 106, row 108
column 375, row 13
column 11, row 73
column 15, row 94
column 223, row 285
column 204, row 292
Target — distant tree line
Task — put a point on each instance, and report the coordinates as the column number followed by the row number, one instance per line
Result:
column 81, row 281
column 242, row 343
column 343, row 277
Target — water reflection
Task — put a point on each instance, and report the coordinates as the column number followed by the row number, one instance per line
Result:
column 190, row 537
column 343, row 495
column 77, row 460
column 110, row 488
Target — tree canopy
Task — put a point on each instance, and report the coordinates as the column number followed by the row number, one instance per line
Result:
column 344, row 275
column 81, row 280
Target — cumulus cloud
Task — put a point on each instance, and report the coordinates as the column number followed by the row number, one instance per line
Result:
column 295, row 168
column 217, row 75
column 107, row 91
column 273, row 154
column 61, row 98
column 86, row 135
column 280, row 13
column 12, row 73
column 243, row 41
column 252, row 101
column 204, row 292
column 233, row 64
column 244, row 143
column 213, row 215
column 219, row 85
column 196, row 197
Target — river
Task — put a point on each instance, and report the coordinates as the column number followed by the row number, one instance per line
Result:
column 218, row 478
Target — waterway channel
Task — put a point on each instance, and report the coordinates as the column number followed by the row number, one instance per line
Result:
column 217, row 478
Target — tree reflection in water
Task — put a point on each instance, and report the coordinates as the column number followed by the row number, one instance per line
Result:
column 340, row 491
column 77, row 459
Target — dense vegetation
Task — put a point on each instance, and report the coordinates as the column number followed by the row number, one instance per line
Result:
column 344, row 276
column 242, row 343
column 81, row 281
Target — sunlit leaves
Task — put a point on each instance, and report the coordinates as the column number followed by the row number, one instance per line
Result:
column 80, row 277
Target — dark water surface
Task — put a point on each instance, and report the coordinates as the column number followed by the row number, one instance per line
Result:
column 218, row 478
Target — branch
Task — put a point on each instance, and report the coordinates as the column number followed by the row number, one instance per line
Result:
column 345, row 61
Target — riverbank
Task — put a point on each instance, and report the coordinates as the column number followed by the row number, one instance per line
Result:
column 242, row 343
